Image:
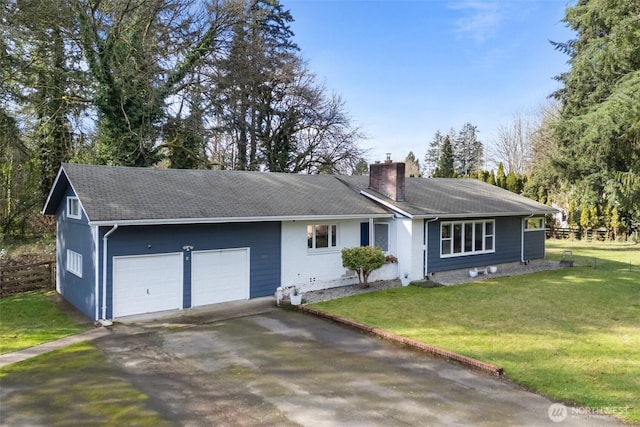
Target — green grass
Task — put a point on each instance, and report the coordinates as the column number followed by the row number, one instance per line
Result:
column 32, row 318
column 75, row 384
column 572, row 334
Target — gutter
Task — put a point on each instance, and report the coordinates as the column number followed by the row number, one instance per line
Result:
column 220, row 220
column 425, row 251
column 479, row 214
column 105, row 240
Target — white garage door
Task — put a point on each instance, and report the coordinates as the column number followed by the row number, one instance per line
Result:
column 145, row 284
column 219, row 276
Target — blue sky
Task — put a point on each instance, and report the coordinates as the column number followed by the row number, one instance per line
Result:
column 408, row 68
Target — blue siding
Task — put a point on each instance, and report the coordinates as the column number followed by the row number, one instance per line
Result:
column 263, row 239
column 508, row 232
column 76, row 235
column 534, row 242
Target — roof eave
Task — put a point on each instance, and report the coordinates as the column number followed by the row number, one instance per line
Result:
column 482, row 214
column 186, row 221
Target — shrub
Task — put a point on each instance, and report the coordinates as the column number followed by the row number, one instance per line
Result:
column 363, row 260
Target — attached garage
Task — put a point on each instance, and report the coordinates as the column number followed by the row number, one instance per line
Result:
column 147, row 283
column 219, row 276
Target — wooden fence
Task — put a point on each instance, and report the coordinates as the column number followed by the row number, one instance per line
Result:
column 27, row 277
column 577, row 233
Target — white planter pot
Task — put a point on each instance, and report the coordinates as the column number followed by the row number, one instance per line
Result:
column 493, row 269
column 296, row 299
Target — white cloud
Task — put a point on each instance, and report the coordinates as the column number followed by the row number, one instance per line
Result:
column 479, row 20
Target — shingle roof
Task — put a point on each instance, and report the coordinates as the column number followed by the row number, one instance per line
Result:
column 449, row 197
column 111, row 194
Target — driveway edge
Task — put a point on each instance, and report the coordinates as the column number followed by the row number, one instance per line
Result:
column 428, row 348
column 37, row 350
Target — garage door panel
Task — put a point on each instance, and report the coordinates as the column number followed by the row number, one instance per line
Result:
column 219, row 276
column 145, row 284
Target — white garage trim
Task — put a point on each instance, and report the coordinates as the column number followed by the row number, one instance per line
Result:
column 220, row 276
column 147, row 283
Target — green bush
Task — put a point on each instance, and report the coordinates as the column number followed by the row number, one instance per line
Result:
column 363, row 260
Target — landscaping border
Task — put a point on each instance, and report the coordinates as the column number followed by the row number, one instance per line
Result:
column 428, row 348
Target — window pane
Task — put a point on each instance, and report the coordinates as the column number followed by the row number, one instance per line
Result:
column 478, row 236
column 457, row 238
column 489, row 228
column 468, row 237
column 446, row 231
column 446, row 247
column 534, row 224
column 322, row 236
column 334, row 233
column 488, row 243
column 382, row 236
column 310, row 236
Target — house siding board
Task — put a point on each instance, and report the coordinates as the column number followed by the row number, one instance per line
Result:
column 534, row 244
column 76, row 235
column 263, row 239
column 508, row 231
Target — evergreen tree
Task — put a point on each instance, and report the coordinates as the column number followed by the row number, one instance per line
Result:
column 598, row 131
column 615, row 221
column 445, row 166
column 501, row 178
column 513, row 183
column 433, row 154
column 584, row 218
column 361, row 168
column 468, row 151
column 572, row 219
column 412, row 165
column 491, row 178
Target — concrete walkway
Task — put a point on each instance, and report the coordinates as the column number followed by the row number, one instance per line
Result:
column 27, row 353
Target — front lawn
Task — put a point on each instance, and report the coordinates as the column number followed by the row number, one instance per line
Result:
column 572, row 334
column 33, row 318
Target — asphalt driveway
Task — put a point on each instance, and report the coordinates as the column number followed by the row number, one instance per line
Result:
column 282, row 367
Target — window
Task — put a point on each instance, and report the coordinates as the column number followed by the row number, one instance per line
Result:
column 74, row 263
column 73, row 208
column 466, row 238
column 381, row 236
column 322, row 236
column 535, row 223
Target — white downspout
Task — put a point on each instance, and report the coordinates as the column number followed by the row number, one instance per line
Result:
column 105, row 238
column 426, row 245
column 371, row 229
column 522, row 260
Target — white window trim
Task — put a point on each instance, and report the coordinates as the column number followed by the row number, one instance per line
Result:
column 473, row 240
column 70, row 199
column 74, row 263
column 388, row 235
column 313, row 249
column 539, row 218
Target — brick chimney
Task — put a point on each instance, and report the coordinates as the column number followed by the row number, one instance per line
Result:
column 388, row 178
